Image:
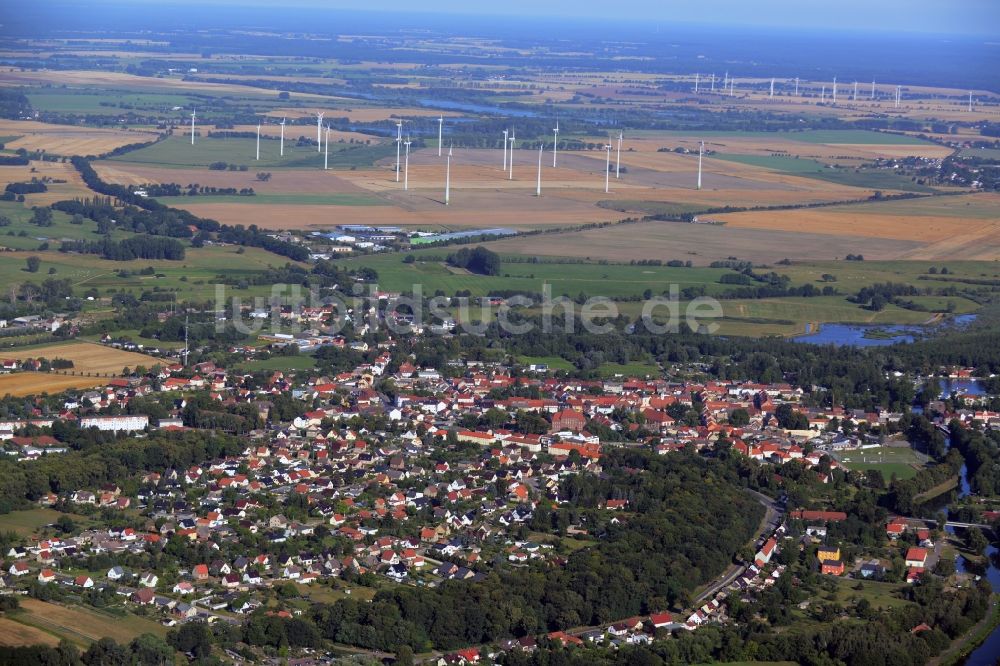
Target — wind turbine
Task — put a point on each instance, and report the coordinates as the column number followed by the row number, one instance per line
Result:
column 701, row 152
column 855, row 91
column 899, row 92
column 506, row 133
column 732, row 86
column 822, row 94
column 772, row 88
column 326, row 150
column 607, row 169
column 440, row 128
column 511, row 165
column 618, row 163
column 796, row 86
column 406, row 169
column 713, row 83
column 873, row 88
column 192, row 126
column 725, row 81
column 447, row 180
column 835, row 90
column 258, row 142
column 555, row 144
column 319, row 125
column 282, row 137
column 399, row 141
column 970, row 101
column 696, row 83
column 538, row 183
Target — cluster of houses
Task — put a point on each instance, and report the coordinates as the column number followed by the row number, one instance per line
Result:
column 368, row 467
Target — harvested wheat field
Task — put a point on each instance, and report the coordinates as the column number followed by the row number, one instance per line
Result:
column 33, row 383
column 956, row 232
column 84, row 625
column 66, row 182
column 702, row 244
column 86, row 356
column 281, row 181
column 15, row 634
column 68, row 139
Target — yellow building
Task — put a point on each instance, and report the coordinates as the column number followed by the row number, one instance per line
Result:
column 828, row 554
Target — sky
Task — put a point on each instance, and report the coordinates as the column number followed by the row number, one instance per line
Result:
column 980, row 17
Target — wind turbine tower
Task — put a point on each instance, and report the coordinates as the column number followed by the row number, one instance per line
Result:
column 326, row 150
column 406, row 169
column 835, row 90
column 319, row 126
column 618, row 162
column 282, row 150
column 447, row 180
column 822, row 94
column 258, row 142
column 193, row 112
column 725, row 81
column 696, row 83
column 538, row 182
column 701, row 152
column 855, row 91
column 796, row 86
column 506, row 134
column 555, row 144
column 899, row 92
column 440, row 127
column 970, row 101
column 772, row 88
column 511, row 164
column 399, row 142
column 607, row 170
column 713, row 83
column 873, row 88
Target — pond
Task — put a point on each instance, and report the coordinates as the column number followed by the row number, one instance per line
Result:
column 873, row 335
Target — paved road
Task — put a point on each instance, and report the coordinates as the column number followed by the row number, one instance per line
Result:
column 772, row 518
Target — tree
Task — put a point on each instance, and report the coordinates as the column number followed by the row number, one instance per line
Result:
column 33, row 263
column 976, row 540
column 193, row 637
column 739, row 417
column 106, row 652
column 404, row 656
column 65, row 524
column 41, row 216
column 150, row 650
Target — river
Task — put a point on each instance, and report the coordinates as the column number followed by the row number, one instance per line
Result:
column 988, row 652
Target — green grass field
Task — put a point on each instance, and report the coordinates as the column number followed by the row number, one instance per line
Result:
column 195, row 277
column 33, row 235
column 808, row 136
column 899, row 460
column 178, row 152
column 554, row 362
column 881, row 595
column 613, row 281
column 28, row 522
column 634, row 369
column 807, row 168
column 108, row 102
